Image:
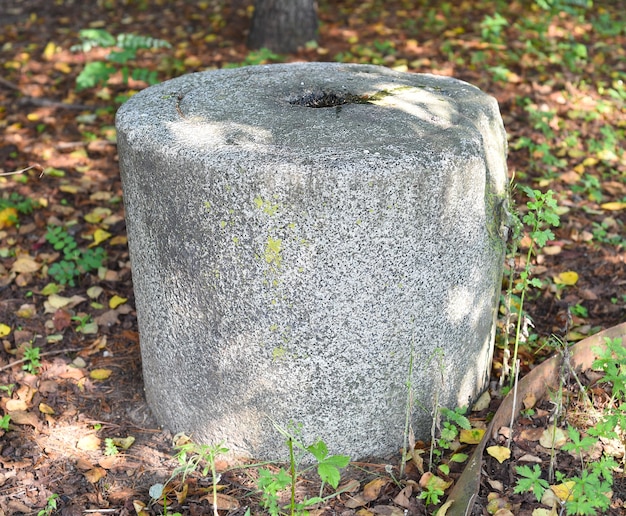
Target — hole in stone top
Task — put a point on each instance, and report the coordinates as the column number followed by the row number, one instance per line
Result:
column 322, row 99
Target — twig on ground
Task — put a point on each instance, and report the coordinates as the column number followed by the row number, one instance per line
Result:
column 36, row 166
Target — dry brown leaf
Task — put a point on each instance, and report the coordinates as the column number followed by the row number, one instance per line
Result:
column 403, row 498
column 372, row 489
column 20, row 417
column 224, row 502
column 16, row 405
column 349, row 487
column 356, row 501
column 95, row 474
column 108, row 462
column 25, row 264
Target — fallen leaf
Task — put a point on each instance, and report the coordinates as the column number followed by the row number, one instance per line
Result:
column 94, row 292
column 4, row 330
column 564, row 491
column 472, row 436
column 61, row 320
column 500, row 453
column 8, row 217
column 20, row 417
column 529, row 400
column 97, row 215
column 116, row 301
column 429, row 479
column 26, row 311
column 88, row 443
column 566, row 278
column 224, row 502
column 45, row 409
column 613, row 206
column 100, row 374
column 372, row 489
column 119, row 240
column 95, row 474
column 123, row 442
column 13, row 405
column 25, row 264
column 552, row 437
column 99, row 236
column 444, row 508
column 356, row 501
column 108, row 462
column 403, row 498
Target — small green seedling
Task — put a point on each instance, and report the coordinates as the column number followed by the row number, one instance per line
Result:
column 32, row 360
column 4, row 422
column 531, row 481
column 51, row 506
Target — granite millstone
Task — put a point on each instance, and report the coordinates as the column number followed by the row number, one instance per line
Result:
column 300, row 234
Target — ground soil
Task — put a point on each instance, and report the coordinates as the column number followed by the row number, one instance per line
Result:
column 62, row 416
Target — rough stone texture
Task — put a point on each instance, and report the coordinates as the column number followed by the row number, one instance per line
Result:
column 288, row 260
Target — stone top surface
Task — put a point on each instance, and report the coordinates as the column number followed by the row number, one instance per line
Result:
column 337, row 110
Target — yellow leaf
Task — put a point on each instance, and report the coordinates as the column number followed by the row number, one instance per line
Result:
column 88, row 443
column 119, row 240
column 123, row 442
column 4, row 330
column 45, row 409
column 500, row 453
column 8, row 217
column 49, row 51
column 613, row 206
column 62, row 67
column 116, row 301
column 566, row 278
column 72, row 189
column 99, row 236
column 472, row 436
column 100, row 374
column 97, row 215
column 25, row 264
column 564, row 490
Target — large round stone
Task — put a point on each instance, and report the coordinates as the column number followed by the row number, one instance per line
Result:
column 307, row 240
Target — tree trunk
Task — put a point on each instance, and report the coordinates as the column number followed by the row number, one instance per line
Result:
column 283, row 25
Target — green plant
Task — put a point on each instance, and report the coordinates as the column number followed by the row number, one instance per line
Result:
column 99, row 72
column 75, row 261
column 272, row 482
column 432, row 493
column 530, row 481
column 612, row 361
column 491, row 28
column 109, row 447
column 541, row 215
column 4, row 422
column 31, row 360
column 191, row 457
column 8, row 388
column 51, row 506
column 24, row 205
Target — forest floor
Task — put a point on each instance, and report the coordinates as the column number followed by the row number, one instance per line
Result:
column 70, row 366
